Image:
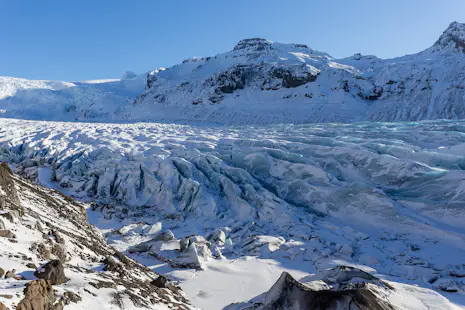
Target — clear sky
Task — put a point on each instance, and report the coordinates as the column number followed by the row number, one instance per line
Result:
column 90, row 39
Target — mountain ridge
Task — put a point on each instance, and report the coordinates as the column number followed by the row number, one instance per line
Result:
column 262, row 82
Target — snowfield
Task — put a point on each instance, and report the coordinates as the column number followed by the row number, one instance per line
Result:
column 237, row 205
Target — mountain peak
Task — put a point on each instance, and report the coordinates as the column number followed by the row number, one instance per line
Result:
column 255, row 43
column 453, row 37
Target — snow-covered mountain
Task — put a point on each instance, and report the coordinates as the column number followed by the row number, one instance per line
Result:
column 104, row 100
column 263, row 82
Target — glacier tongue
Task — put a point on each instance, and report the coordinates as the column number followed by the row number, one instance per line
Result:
column 384, row 197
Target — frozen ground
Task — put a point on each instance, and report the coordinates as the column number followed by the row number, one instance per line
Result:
column 249, row 202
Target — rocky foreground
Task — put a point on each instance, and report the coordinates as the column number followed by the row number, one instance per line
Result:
column 51, row 258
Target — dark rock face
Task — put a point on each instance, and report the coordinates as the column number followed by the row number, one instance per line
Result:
column 343, row 293
column 255, row 43
column 292, row 79
column 52, row 271
column 151, row 79
column 288, row 293
column 232, row 79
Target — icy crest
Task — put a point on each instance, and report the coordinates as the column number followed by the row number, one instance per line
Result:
column 453, row 37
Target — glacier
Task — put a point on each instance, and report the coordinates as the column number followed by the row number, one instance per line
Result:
column 385, row 197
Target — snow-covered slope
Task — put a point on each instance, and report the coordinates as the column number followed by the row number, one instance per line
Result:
column 46, row 235
column 261, row 82
column 384, row 197
column 264, row 82
column 68, row 101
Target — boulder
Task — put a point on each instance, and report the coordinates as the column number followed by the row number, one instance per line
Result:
column 160, row 282
column 53, row 271
column 38, row 296
column 31, row 265
column 2, row 306
column 5, row 233
column 10, row 274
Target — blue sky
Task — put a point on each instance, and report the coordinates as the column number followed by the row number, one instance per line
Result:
column 76, row 40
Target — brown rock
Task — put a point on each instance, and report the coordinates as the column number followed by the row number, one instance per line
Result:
column 38, row 295
column 10, row 274
column 5, row 233
column 9, row 198
column 2, row 306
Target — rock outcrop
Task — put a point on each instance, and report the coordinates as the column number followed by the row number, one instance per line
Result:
column 52, row 271
column 49, row 222
column 38, row 295
column 341, row 288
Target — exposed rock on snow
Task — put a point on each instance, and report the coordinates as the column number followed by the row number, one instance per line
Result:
column 52, row 271
column 453, row 37
column 50, row 219
column 38, row 294
column 354, row 289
